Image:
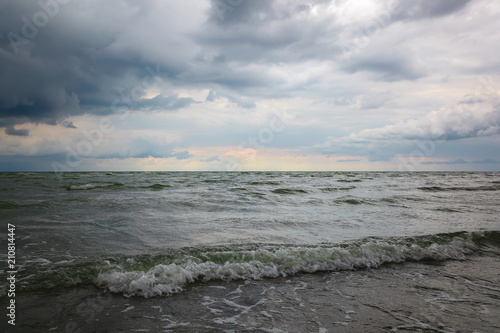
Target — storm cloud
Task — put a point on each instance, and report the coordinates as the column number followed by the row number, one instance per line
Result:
column 190, row 81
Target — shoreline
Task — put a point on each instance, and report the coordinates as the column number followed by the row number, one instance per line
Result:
column 426, row 296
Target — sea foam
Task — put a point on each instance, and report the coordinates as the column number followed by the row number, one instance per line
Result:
column 166, row 279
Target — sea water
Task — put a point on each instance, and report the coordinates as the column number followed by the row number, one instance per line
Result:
column 151, row 243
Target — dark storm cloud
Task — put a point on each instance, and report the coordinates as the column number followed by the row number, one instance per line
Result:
column 85, row 60
column 68, row 124
column 72, row 65
column 68, row 66
column 269, row 32
column 17, row 132
column 81, row 61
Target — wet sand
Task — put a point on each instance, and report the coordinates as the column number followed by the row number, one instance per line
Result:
column 451, row 296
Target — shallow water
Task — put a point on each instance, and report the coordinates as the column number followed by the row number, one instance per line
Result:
column 449, row 296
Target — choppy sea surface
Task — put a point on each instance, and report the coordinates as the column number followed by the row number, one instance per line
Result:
column 158, row 234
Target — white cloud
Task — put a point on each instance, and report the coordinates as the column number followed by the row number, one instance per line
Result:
column 448, row 123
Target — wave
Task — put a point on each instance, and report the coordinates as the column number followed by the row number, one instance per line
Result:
column 91, row 186
column 169, row 272
column 332, row 189
column 114, row 186
column 351, row 201
column 237, row 189
column 447, row 210
column 288, row 191
column 16, row 205
column 216, row 180
column 459, row 188
column 157, row 187
column 265, row 183
column 349, row 180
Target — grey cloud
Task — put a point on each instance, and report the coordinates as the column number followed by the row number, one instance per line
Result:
column 375, row 45
column 17, row 132
column 422, row 9
column 211, row 97
column 145, row 153
column 211, row 159
column 374, row 152
column 374, row 100
column 386, row 66
column 347, row 160
column 462, row 161
column 172, row 102
column 182, row 155
column 75, row 66
column 444, row 124
column 245, row 54
column 244, row 103
column 471, row 99
column 143, row 148
column 233, row 12
column 27, row 163
column 32, row 88
column 68, row 124
column 458, row 161
column 242, row 53
column 72, row 65
column 343, row 101
column 270, row 31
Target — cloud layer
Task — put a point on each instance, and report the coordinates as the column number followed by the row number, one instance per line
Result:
column 359, row 80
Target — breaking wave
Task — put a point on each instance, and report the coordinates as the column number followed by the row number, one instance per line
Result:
column 171, row 271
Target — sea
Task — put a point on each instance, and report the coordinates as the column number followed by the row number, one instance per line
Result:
column 251, row 251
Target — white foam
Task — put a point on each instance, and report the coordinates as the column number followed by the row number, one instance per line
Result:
column 41, row 261
column 266, row 314
column 128, row 309
column 168, row 279
column 83, row 186
column 90, row 186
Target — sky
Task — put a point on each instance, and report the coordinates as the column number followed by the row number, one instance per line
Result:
column 233, row 85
